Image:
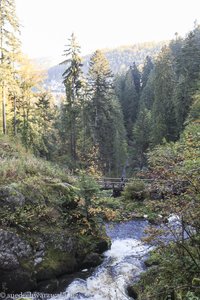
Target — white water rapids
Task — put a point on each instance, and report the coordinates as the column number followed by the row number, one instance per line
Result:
column 122, row 265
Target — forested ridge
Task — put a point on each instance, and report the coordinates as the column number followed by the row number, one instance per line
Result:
column 142, row 122
column 104, row 120
column 119, row 58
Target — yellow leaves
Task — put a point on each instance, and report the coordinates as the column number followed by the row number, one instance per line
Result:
column 76, row 215
column 83, row 231
column 110, row 214
column 95, row 211
column 93, row 171
column 107, row 213
column 85, row 226
column 81, row 202
column 30, row 74
column 91, row 158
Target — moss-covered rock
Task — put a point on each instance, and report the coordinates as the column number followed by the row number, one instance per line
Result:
column 92, row 260
column 14, row 276
column 55, row 263
column 39, row 241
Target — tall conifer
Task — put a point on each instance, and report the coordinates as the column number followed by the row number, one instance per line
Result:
column 72, row 82
column 9, row 45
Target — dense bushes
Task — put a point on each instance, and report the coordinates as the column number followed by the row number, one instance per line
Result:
column 176, row 164
column 135, row 190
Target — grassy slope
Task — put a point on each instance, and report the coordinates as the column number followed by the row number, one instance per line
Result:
column 40, row 203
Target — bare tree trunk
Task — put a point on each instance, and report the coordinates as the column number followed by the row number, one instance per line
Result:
column 2, row 82
column 95, row 125
column 73, row 124
column 74, row 140
column 15, row 116
column 73, row 137
column 4, row 108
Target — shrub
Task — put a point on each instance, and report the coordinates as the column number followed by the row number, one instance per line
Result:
column 88, row 187
column 135, row 190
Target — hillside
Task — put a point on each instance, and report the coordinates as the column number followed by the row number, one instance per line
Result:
column 120, row 60
column 44, row 229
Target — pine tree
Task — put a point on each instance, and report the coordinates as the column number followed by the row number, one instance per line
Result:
column 142, row 135
column 147, row 94
column 9, row 46
column 14, row 92
column 85, row 143
column 119, row 139
column 147, row 69
column 136, row 77
column 42, row 125
column 163, row 113
column 104, row 110
column 73, row 83
column 119, row 85
column 187, row 60
column 129, row 101
column 100, row 82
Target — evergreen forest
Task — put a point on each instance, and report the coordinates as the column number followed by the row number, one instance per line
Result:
column 142, row 122
column 106, row 121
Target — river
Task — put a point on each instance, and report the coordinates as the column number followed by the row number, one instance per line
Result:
column 122, row 265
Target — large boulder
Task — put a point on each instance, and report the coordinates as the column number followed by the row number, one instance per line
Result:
column 9, row 196
column 58, row 257
column 92, row 260
column 23, row 265
column 12, row 249
column 27, row 262
column 16, row 273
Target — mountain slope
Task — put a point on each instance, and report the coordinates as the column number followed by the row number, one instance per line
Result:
column 120, row 59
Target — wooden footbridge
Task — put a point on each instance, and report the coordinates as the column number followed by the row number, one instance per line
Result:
column 115, row 184
column 107, row 183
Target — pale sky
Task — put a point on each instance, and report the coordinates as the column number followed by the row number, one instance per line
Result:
column 47, row 24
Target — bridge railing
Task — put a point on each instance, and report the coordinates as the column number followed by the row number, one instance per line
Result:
column 111, row 183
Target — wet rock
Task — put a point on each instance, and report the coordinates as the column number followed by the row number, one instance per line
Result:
column 37, row 260
column 39, row 252
column 132, row 292
column 14, row 250
column 49, row 286
column 55, row 263
column 92, row 260
column 20, row 267
column 26, row 262
column 102, row 246
column 18, row 281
